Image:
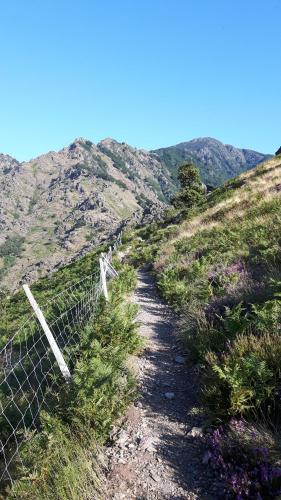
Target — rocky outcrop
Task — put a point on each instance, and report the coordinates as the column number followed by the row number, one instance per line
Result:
column 63, row 203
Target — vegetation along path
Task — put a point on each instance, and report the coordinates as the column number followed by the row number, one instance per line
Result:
column 158, row 452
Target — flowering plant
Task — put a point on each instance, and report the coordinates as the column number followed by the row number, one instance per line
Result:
column 246, row 468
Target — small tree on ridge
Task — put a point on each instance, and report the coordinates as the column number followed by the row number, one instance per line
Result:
column 192, row 190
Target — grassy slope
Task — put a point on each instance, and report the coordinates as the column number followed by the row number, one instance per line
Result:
column 15, row 308
column 220, row 267
column 62, row 461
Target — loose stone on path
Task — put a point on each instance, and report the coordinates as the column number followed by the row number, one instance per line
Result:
column 158, row 454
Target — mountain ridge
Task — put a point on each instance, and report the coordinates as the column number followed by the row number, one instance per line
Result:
column 217, row 161
column 63, row 203
column 60, row 204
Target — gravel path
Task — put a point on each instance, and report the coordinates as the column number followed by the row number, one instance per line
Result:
column 158, row 452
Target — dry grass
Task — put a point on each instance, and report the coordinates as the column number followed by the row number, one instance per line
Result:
column 255, row 187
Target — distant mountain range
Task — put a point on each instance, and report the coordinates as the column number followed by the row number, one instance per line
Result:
column 57, row 206
column 217, row 161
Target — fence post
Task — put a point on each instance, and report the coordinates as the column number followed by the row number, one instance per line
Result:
column 103, row 278
column 54, row 346
column 110, row 254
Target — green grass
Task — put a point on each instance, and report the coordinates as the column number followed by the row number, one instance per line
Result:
column 64, row 465
column 219, row 266
column 223, row 278
column 154, row 184
column 12, row 246
column 15, row 309
column 34, row 200
column 61, row 461
column 117, row 160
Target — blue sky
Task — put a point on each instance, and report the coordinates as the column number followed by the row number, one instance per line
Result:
column 150, row 73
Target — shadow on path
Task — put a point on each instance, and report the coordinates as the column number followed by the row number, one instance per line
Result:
column 182, row 452
column 159, row 458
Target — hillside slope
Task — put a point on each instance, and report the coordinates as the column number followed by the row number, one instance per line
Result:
column 219, row 265
column 52, row 431
column 217, row 161
column 63, row 203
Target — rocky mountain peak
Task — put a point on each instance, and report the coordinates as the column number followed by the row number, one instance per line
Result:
column 108, row 141
column 81, row 141
column 7, row 162
column 217, row 161
column 204, row 141
column 62, row 203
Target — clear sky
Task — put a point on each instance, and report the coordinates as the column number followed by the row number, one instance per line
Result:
column 148, row 72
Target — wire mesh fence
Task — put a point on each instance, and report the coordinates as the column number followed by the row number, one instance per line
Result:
column 30, row 377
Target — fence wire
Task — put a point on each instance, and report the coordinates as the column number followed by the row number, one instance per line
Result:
column 30, row 378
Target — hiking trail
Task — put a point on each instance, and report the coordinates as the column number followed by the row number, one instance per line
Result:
column 158, row 452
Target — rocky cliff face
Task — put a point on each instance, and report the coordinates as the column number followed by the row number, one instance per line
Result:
column 217, row 161
column 57, row 206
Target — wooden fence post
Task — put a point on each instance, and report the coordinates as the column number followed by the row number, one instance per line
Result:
column 54, row 346
column 103, row 278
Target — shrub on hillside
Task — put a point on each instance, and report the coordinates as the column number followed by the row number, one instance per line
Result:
column 246, row 379
column 60, row 460
column 64, row 464
column 191, row 192
column 221, row 271
column 12, row 246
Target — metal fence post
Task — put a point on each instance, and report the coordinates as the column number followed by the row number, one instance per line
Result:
column 54, row 346
column 103, row 278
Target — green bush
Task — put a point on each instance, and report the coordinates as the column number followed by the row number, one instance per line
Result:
column 191, row 192
column 87, row 145
column 60, row 461
column 142, row 200
column 244, row 380
column 64, row 464
column 34, row 200
column 143, row 254
column 13, row 246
